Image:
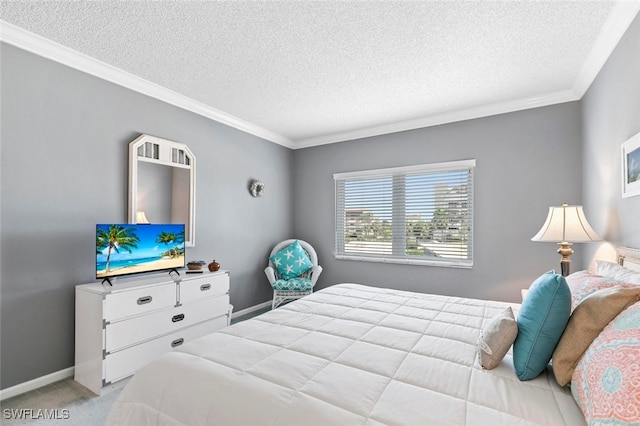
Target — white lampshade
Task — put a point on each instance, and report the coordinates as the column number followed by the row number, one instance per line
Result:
column 140, row 217
column 566, row 224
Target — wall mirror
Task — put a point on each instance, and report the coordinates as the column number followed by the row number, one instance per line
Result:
column 162, row 185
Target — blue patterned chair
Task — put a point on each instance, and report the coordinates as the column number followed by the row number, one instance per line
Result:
column 293, row 271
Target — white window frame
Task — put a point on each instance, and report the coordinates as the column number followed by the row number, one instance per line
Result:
column 398, row 204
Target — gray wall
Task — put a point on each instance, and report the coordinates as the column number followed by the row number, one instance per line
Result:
column 526, row 162
column 611, row 115
column 64, row 155
column 64, row 168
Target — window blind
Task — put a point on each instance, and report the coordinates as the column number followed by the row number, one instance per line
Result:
column 417, row 214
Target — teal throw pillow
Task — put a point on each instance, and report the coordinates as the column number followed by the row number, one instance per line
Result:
column 543, row 316
column 291, row 261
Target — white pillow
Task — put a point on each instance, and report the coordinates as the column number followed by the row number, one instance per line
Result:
column 615, row 271
column 495, row 339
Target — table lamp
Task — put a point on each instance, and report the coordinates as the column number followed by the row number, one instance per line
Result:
column 141, row 217
column 566, row 225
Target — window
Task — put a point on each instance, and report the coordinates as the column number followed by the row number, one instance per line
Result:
column 417, row 214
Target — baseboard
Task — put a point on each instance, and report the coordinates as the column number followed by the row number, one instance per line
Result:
column 68, row 372
column 35, row 383
column 251, row 309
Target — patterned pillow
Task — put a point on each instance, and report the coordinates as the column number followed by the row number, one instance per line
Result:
column 584, row 283
column 606, row 382
column 589, row 318
column 291, row 261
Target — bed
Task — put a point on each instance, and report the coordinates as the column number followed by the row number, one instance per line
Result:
column 352, row 354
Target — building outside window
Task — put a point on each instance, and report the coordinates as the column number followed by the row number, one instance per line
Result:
column 417, row 214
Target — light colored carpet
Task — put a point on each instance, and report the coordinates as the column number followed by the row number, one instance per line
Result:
column 65, row 403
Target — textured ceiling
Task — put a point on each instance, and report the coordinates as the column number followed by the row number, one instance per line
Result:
column 317, row 72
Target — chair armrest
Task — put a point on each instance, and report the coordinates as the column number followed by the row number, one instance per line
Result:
column 271, row 274
column 315, row 273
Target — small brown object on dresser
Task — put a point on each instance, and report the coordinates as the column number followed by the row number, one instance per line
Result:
column 214, row 266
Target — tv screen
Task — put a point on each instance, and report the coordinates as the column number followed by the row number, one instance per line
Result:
column 123, row 249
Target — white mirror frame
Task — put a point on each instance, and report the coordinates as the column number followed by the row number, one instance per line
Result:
column 151, row 149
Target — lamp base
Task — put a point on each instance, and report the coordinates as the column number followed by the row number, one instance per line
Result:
column 565, row 251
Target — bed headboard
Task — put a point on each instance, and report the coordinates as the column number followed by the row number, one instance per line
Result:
column 629, row 258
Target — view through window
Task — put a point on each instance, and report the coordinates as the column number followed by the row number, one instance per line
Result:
column 416, row 214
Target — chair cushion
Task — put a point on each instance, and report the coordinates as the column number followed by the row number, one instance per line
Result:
column 543, row 316
column 291, row 261
column 293, row 284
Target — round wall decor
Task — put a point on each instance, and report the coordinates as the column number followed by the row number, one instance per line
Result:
column 256, row 188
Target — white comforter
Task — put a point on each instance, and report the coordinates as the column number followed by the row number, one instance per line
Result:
column 345, row 355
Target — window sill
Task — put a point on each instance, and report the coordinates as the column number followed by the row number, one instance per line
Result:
column 462, row 264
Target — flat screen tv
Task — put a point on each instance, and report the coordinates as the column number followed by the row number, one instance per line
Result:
column 124, row 249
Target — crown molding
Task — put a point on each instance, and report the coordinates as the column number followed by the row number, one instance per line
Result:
column 49, row 49
column 616, row 25
column 614, row 28
column 445, row 118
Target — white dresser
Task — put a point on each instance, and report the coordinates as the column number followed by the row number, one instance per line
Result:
column 121, row 328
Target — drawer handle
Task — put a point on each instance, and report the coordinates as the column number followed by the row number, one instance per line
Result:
column 205, row 287
column 177, row 318
column 177, row 342
column 144, row 300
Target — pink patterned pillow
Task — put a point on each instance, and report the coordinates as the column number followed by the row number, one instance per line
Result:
column 583, row 283
column 606, row 381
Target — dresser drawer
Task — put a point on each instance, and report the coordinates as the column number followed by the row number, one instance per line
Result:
column 124, row 363
column 139, row 301
column 139, row 329
column 206, row 286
